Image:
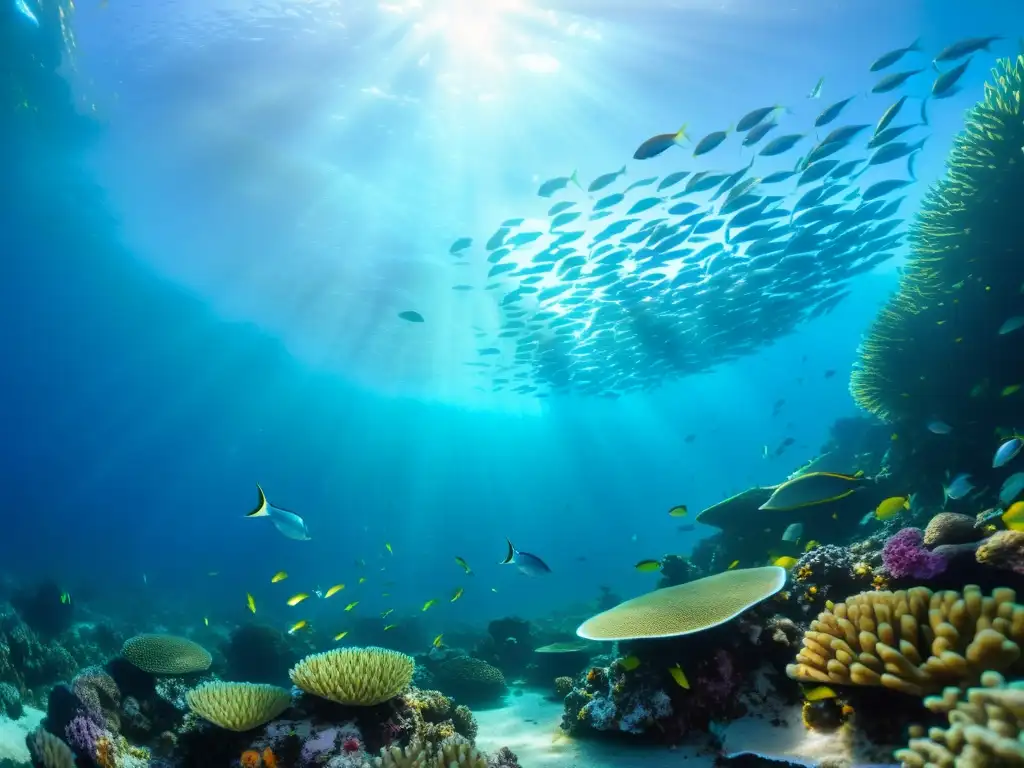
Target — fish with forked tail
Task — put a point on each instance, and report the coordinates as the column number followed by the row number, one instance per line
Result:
column 529, row 564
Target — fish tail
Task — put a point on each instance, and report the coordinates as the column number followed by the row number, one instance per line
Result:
column 261, row 507
column 914, row 46
column 574, row 178
column 910, row 164
column 681, row 134
column 511, row 554
column 924, row 111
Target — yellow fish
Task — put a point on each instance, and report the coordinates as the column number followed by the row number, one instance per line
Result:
column 296, row 599
column 679, row 676
column 1013, row 517
column 457, row 595
column 385, row 594
column 1007, row 391
column 350, row 606
column 279, row 576
column 206, row 621
column 390, row 626
column 252, row 603
column 362, row 579
column 340, row 635
column 629, row 663
column 784, row 562
column 678, row 511
column 387, row 546
column 820, row 692
column 732, row 565
column 334, row 590
column 891, row 507
column 811, row 545
column 463, row 564
column 437, row 641
column 829, row 605
column 648, row 566
column 297, row 626
column 429, row 604
column 387, row 613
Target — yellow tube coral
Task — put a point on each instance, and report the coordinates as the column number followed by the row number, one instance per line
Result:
column 238, row 706
column 355, row 676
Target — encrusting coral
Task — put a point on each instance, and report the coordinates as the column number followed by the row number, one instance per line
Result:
column 238, row 706
column 912, row 641
column 166, row 654
column 985, row 728
column 355, row 676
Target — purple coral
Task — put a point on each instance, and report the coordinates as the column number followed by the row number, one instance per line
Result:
column 904, row 555
column 82, row 734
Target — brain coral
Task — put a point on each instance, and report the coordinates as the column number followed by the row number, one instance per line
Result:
column 355, row 676
column 471, row 679
column 687, row 608
column 915, row 641
column 166, row 654
column 238, row 706
column 986, row 728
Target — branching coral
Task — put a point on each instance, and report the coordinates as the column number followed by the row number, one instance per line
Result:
column 986, row 728
column 915, row 641
column 355, row 676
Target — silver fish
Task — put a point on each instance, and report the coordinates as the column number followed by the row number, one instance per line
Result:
column 959, row 487
column 1007, row 452
column 287, row 523
column 529, row 564
column 1012, row 488
column 793, row 532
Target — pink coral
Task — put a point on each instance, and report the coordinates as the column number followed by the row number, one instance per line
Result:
column 904, row 556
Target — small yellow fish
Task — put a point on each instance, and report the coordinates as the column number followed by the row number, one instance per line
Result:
column 679, row 676
column 437, row 641
column 820, row 692
column 429, row 604
column 296, row 599
column 648, row 566
column 829, row 605
column 732, row 565
column 387, row 613
column 65, row 598
column 387, row 546
column 1013, row 517
column 464, row 565
column 629, row 663
column 362, row 579
column 206, row 621
column 279, row 576
column 811, row 545
column 891, row 507
column 251, row 602
column 390, row 626
column 678, row 511
column 297, row 626
column 334, row 590
column 1011, row 389
column 340, row 635
column 385, row 594
column 894, row 436
column 350, row 606
column 785, row 562
column 457, row 595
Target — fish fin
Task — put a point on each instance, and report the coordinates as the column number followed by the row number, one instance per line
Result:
column 575, row 179
column 261, row 508
column 681, row 135
column 910, row 164
column 924, row 111
column 511, row 554
column 622, row 170
column 914, row 46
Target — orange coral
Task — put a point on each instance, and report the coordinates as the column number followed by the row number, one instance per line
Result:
column 269, row 758
column 250, row 759
column 105, row 753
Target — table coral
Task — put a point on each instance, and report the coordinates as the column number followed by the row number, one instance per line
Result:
column 912, row 641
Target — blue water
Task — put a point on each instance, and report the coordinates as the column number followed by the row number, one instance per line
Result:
column 203, row 294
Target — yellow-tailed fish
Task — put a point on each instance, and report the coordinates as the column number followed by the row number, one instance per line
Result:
column 387, row 546
column 891, row 507
column 350, row 606
column 300, row 624
column 812, row 489
column 437, row 641
column 648, row 566
column 340, row 635
column 387, row 613
column 334, row 590
column 429, row 604
column 1013, row 517
column 251, row 602
column 457, row 595
column 820, row 692
column 678, row 511
column 362, row 579
column 629, row 663
column 679, row 676
column 390, row 626
column 296, row 599
column 732, row 565
column 385, row 594
column 464, row 565
column 206, row 621
column 784, row 562
column 811, row 545
column 279, row 576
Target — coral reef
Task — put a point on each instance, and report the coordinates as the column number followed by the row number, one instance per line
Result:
column 1004, row 550
column 509, row 646
column 43, row 610
column 258, row 654
column 355, row 676
column 471, row 680
column 49, row 751
column 904, row 556
column 947, row 528
column 161, row 654
column 238, row 706
column 915, row 642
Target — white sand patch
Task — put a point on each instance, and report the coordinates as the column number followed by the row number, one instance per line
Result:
column 12, row 736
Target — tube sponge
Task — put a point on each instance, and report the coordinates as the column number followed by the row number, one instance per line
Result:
column 912, row 641
column 355, row 676
column 985, row 728
column 238, row 706
column 166, row 654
